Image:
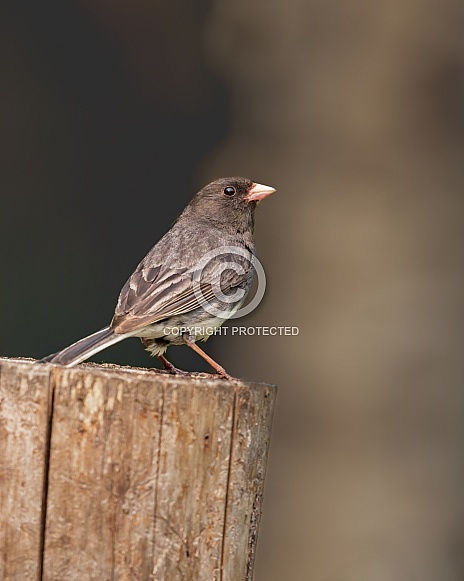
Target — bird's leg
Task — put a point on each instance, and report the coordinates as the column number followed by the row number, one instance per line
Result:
column 170, row 367
column 190, row 341
column 167, row 365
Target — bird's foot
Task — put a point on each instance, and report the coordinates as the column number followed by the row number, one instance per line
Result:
column 170, row 368
column 176, row 371
column 221, row 373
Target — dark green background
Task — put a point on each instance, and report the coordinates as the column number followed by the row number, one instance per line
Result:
column 104, row 126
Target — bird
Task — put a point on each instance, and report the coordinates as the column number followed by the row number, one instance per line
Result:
column 175, row 294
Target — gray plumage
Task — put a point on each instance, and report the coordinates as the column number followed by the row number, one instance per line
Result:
column 161, row 291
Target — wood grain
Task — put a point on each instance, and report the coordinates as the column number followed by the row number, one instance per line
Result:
column 102, row 480
column 126, row 474
column 193, row 480
column 251, row 432
column 24, row 424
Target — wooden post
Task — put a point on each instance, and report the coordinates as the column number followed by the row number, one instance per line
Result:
column 111, row 473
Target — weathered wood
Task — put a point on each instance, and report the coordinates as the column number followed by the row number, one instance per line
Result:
column 24, row 424
column 102, row 477
column 253, row 417
column 193, row 481
column 150, row 477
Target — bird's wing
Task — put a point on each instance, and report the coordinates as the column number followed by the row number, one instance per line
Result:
column 156, row 293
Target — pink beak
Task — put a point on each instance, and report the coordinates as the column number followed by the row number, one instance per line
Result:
column 257, row 192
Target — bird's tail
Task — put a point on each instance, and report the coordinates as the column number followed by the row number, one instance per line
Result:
column 85, row 348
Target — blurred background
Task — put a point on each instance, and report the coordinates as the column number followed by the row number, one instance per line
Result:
column 114, row 113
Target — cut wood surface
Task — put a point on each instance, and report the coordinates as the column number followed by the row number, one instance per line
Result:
column 112, row 473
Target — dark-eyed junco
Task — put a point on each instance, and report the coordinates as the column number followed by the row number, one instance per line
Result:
column 175, row 287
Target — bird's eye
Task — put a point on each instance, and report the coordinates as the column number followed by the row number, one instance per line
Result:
column 229, row 191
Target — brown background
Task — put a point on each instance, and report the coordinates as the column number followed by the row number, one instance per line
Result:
column 114, row 113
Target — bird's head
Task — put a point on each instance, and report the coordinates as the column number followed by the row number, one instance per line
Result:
column 230, row 201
